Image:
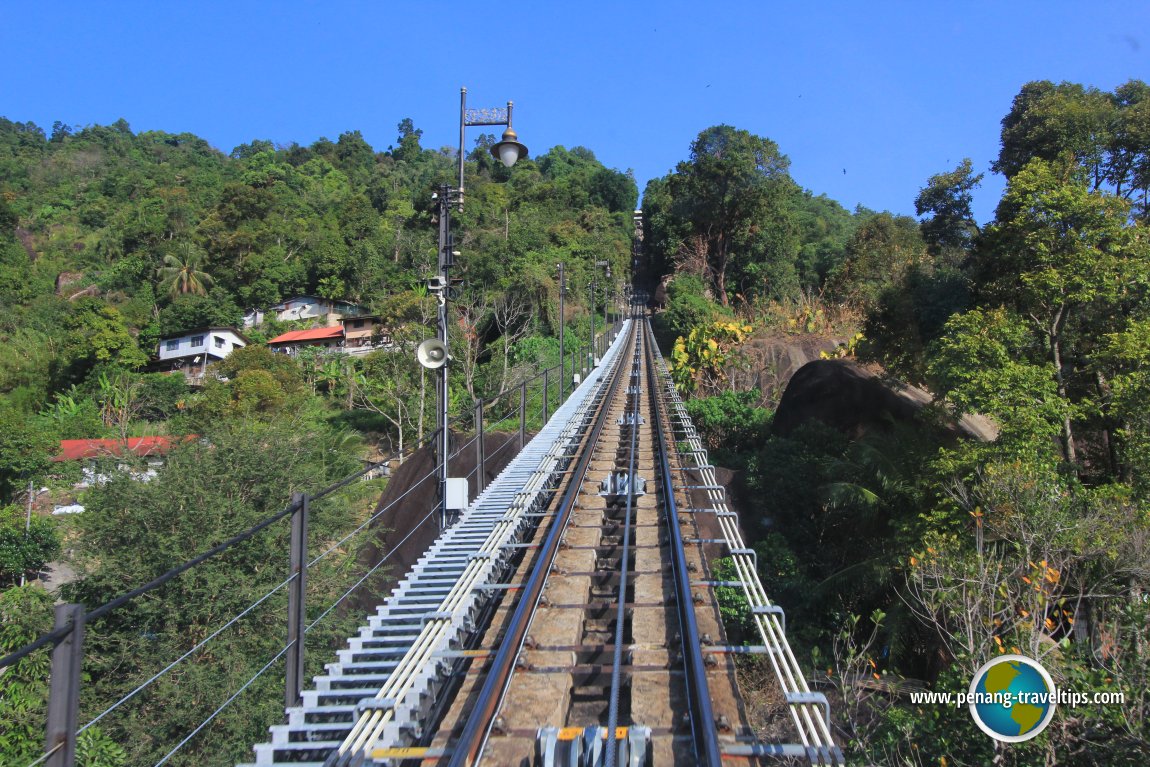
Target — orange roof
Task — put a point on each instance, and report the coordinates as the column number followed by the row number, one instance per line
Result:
column 316, row 334
column 78, row 449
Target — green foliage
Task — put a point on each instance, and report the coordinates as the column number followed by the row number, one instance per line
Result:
column 25, row 551
column 1129, row 352
column 27, row 445
column 731, row 425
column 688, row 306
column 947, row 198
column 700, row 360
column 25, row 614
column 1106, row 133
column 980, row 366
column 723, row 215
column 910, row 315
column 734, row 610
column 880, row 251
column 133, row 531
column 190, row 311
column 74, row 416
column 161, row 396
column 98, row 336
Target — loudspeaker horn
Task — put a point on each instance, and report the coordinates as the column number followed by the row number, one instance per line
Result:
column 432, row 354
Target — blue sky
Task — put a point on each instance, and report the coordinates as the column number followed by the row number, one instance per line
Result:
column 868, row 99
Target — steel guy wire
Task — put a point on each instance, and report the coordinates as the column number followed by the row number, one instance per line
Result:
column 374, row 517
column 379, row 564
column 224, row 705
column 45, row 755
column 176, row 662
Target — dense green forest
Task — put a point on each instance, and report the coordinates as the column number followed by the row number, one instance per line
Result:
column 905, row 556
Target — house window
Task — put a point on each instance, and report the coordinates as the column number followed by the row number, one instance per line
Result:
column 219, row 342
column 357, row 324
column 171, row 346
column 197, row 340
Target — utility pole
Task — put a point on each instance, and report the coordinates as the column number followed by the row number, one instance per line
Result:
column 562, row 322
column 27, row 524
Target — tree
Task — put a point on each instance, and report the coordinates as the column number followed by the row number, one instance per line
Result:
column 97, row 335
column 25, row 614
column 189, row 311
column 27, row 445
column 725, row 192
column 182, row 272
column 984, row 363
column 511, row 314
column 878, row 254
column 386, row 383
column 1107, row 135
column 1062, row 255
column 207, row 492
column 26, row 545
column 947, row 198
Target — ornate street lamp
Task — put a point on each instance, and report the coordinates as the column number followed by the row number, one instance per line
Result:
column 434, row 354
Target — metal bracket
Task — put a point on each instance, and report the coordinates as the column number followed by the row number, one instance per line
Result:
column 747, row 553
column 374, row 704
column 813, row 699
column 771, row 610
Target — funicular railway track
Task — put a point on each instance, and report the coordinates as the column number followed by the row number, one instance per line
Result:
column 595, row 638
column 596, row 642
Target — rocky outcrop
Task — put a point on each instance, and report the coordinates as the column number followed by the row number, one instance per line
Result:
column 855, row 401
column 768, row 363
column 65, row 280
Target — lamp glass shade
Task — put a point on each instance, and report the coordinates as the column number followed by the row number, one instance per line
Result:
column 508, row 153
column 509, row 150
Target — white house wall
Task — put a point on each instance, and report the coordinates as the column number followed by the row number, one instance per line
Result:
column 181, row 347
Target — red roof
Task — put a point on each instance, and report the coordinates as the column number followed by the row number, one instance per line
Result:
column 316, row 334
column 78, row 449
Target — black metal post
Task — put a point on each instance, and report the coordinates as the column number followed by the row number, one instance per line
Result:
column 562, row 322
column 480, row 456
column 522, row 414
column 64, row 688
column 446, row 261
column 546, row 404
column 591, row 366
column 297, row 614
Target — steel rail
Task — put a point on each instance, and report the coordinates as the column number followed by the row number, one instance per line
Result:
column 477, row 728
column 810, row 720
column 706, row 740
column 621, row 612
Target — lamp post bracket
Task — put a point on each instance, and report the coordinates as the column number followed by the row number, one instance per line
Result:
column 488, row 116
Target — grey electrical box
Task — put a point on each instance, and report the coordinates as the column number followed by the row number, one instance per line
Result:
column 456, row 493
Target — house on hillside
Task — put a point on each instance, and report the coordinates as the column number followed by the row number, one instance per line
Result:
column 364, row 334
column 331, row 339
column 192, row 351
column 89, row 451
column 313, row 308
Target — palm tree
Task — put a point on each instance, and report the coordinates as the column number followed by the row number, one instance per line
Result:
column 181, row 272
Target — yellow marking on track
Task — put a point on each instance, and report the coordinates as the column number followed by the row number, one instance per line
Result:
column 571, row 733
column 405, row 753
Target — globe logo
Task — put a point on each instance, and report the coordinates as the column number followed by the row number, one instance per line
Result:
column 1012, row 698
